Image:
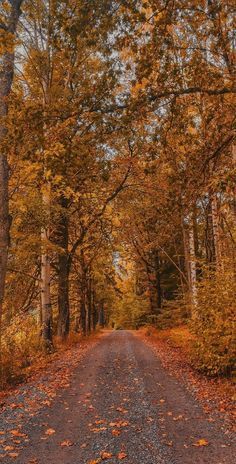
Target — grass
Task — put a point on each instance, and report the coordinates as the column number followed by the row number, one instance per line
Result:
column 177, row 336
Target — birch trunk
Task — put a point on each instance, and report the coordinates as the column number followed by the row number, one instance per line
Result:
column 192, row 264
column 186, row 255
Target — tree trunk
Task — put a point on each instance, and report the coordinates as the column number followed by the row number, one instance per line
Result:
column 63, row 297
column 89, row 305
column 83, row 313
column 215, row 229
column 210, row 244
column 63, row 273
column 46, row 276
column 6, row 79
column 94, row 311
column 192, row 263
column 186, row 254
column 101, row 315
column 158, row 281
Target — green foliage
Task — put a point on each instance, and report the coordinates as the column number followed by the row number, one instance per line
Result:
column 214, row 323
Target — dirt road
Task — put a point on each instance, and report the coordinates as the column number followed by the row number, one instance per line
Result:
column 122, row 406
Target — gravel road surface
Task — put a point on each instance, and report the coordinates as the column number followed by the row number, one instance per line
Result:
column 123, row 406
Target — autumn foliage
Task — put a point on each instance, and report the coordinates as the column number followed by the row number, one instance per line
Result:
column 117, row 173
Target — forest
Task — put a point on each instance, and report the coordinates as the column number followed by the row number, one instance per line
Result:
column 117, row 174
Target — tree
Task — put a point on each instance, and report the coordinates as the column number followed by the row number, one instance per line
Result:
column 9, row 17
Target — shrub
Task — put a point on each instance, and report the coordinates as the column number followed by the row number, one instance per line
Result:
column 19, row 346
column 213, row 323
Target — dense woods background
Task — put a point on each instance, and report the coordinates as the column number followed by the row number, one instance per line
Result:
column 117, row 173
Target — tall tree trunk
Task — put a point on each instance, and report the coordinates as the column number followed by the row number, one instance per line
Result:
column 63, row 273
column 186, row 254
column 63, row 297
column 89, row 305
column 192, row 263
column 209, row 235
column 46, row 306
column 158, row 281
column 101, row 315
column 94, row 311
column 83, row 311
column 215, row 229
column 83, row 322
column 6, row 79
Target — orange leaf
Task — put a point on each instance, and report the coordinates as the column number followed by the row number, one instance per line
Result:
column 66, row 443
column 17, row 433
column 115, row 432
column 106, row 455
column 201, row 442
column 50, row 431
column 122, row 455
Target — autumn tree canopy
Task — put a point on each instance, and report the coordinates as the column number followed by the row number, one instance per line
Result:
column 117, row 170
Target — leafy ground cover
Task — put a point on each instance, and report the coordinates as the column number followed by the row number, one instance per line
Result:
column 173, row 347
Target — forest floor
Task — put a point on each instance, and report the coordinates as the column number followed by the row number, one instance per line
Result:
column 114, row 399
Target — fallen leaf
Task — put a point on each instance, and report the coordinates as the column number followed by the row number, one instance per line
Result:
column 98, row 429
column 13, row 455
column 17, row 433
column 201, row 442
column 122, row 455
column 66, row 443
column 50, row 431
column 115, row 432
column 106, row 455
